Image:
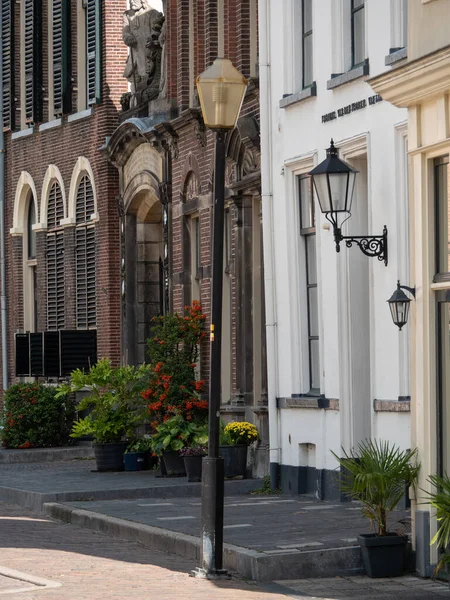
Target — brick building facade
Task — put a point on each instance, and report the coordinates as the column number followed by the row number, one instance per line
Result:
column 63, row 80
column 165, row 158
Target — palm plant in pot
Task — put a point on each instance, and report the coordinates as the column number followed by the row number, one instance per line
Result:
column 113, row 398
column 234, row 441
column 376, row 475
column 439, row 499
column 173, row 435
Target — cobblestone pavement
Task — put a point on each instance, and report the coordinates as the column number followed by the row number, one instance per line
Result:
column 90, row 566
column 271, row 524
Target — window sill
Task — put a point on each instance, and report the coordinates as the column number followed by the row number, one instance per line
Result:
column 50, row 124
column 394, row 56
column 308, row 402
column 291, row 99
column 16, row 135
column 343, row 78
column 392, row 405
column 83, row 114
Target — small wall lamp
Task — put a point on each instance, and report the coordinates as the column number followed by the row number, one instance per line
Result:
column 399, row 304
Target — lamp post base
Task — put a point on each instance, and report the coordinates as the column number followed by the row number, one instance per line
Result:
column 213, row 486
column 200, row 573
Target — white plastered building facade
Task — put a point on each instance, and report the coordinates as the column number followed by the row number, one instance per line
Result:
column 338, row 368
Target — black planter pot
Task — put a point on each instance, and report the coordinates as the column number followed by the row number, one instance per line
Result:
column 136, row 461
column 174, row 464
column 109, row 457
column 383, row 556
column 235, row 460
column 193, row 466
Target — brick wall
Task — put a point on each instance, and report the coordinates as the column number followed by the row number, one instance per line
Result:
column 62, row 146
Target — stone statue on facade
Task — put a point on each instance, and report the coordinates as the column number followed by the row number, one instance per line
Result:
column 162, row 43
column 141, row 32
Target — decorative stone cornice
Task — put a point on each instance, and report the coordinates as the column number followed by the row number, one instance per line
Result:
column 415, row 81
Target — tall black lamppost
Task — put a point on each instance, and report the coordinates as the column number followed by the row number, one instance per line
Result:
column 221, row 91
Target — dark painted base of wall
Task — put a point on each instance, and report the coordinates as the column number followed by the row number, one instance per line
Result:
column 323, row 484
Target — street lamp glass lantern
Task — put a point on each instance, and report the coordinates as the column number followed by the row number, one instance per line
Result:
column 221, row 91
column 399, row 307
column 334, row 182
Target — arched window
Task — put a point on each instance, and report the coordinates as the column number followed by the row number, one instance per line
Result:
column 29, row 268
column 85, row 256
column 55, row 259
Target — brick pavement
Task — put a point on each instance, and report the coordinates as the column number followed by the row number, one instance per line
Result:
column 91, row 566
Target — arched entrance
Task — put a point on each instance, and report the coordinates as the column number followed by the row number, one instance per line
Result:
column 143, row 257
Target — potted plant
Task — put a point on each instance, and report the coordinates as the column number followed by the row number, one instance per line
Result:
column 376, row 475
column 138, row 455
column 113, row 395
column 440, row 500
column 174, row 434
column 192, row 457
column 234, row 441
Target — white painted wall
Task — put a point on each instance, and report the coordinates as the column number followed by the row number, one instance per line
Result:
column 298, row 139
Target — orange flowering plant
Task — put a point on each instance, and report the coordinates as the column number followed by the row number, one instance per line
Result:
column 173, row 353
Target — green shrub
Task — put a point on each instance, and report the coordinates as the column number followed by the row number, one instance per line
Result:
column 35, row 418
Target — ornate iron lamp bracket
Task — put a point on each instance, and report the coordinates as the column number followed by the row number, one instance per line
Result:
column 370, row 245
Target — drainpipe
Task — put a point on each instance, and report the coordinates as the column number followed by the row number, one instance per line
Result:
column 2, row 226
column 268, row 237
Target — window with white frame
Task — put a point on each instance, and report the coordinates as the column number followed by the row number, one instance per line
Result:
column 358, row 31
column 308, row 236
column 31, row 62
column 55, row 259
column 307, row 44
column 85, row 256
column 29, row 269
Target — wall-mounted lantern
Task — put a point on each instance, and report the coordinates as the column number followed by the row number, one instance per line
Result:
column 334, row 182
column 399, row 304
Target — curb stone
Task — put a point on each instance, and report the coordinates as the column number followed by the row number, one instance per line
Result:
column 250, row 564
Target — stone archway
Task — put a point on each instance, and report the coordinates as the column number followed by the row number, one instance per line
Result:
column 142, row 254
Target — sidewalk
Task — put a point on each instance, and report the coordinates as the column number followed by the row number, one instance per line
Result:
column 83, row 565
column 266, row 537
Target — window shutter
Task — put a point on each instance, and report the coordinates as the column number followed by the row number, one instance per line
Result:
column 55, row 280
column 57, row 57
column 55, row 210
column 8, row 66
column 86, row 257
column 93, row 51
column 55, row 260
column 33, row 60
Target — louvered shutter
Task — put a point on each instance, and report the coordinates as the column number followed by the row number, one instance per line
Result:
column 57, row 57
column 55, row 280
column 61, row 57
column 55, row 260
column 93, row 51
column 85, row 258
column 55, row 210
column 33, row 60
column 8, row 66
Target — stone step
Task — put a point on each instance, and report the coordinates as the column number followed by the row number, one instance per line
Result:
column 45, row 455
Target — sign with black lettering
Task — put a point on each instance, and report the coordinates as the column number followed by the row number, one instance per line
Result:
column 354, row 106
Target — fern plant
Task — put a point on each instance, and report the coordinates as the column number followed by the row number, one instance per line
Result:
column 376, row 475
column 440, row 501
